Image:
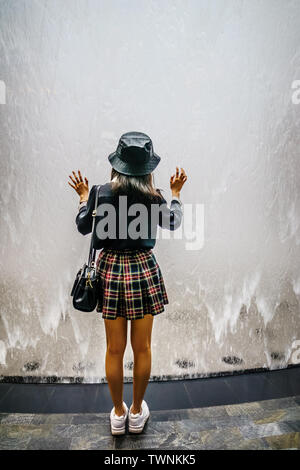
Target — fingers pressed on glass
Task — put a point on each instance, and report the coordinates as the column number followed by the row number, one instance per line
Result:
column 72, row 179
column 77, row 181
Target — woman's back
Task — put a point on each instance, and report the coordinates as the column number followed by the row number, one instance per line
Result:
column 131, row 285
column 126, row 221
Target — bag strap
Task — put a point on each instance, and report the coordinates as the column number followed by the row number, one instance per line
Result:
column 92, row 252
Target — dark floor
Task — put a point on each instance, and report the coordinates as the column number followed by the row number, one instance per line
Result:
column 254, row 411
column 264, row 425
column 171, row 395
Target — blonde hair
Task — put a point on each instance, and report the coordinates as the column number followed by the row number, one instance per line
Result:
column 138, row 187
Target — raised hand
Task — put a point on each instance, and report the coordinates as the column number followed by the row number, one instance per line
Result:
column 81, row 187
column 177, row 181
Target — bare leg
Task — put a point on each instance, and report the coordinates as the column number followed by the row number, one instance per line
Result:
column 141, row 330
column 116, row 339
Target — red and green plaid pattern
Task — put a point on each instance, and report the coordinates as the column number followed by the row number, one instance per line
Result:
column 132, row 284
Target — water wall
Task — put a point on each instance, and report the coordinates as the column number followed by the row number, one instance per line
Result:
column 215, row 85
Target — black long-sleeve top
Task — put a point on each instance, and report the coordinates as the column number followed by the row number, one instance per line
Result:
column 108, row 223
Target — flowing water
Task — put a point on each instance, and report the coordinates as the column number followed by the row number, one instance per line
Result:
column 214, row 85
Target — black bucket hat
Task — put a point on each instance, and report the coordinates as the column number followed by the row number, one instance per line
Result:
column 134, row 155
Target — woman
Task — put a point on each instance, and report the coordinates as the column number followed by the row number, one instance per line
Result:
column 131, row 280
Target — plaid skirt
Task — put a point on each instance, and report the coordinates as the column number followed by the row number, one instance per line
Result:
column 131, row 284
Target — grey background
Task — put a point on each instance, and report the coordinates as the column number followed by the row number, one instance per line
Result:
column 211, row 83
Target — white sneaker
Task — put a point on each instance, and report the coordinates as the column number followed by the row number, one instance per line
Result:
column 137, row 421
column 118, row 423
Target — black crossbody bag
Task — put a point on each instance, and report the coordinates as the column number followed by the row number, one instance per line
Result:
column 86, row 288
